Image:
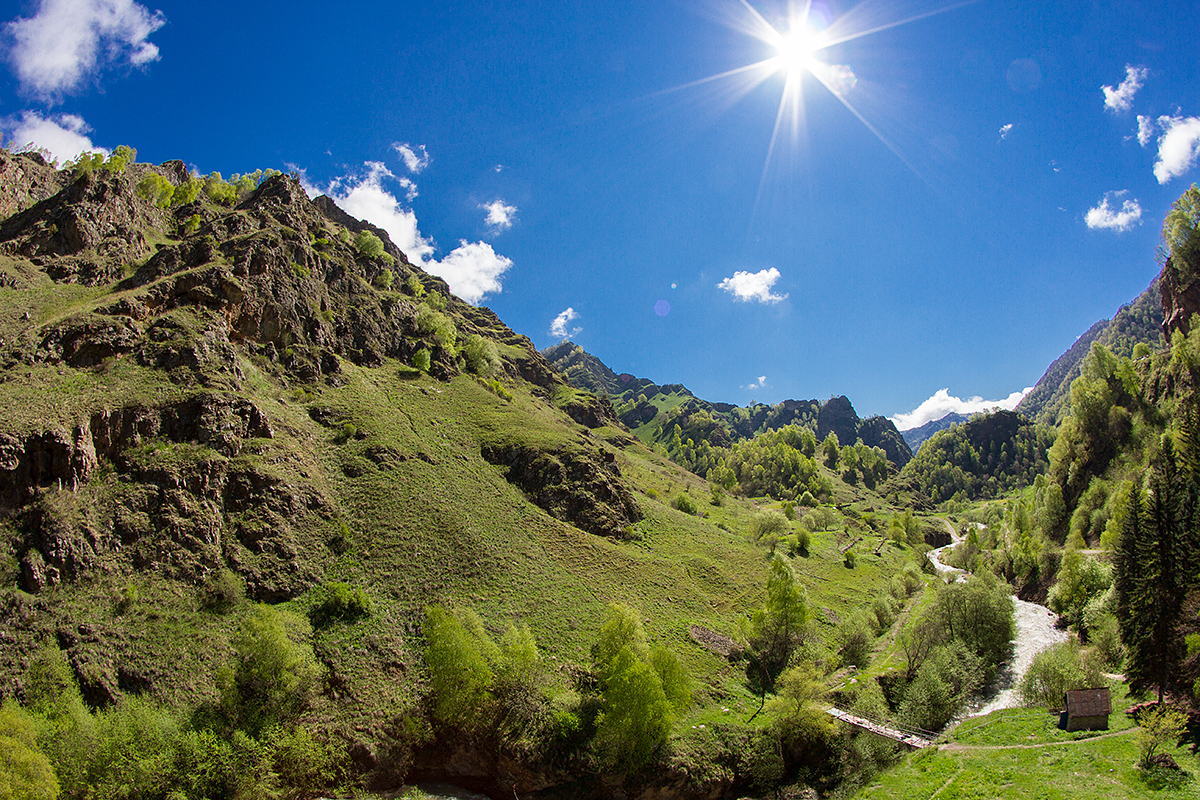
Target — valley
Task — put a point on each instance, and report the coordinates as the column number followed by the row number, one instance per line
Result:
column 281, row 516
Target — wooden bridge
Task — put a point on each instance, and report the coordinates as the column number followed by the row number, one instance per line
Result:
column 911, row 737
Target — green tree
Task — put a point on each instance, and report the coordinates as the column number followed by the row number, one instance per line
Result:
column 368, row 245
column 460, row 676
column 777, row 628
column 768, row 524
column 1179, row 234
column 831, row 450
column 636, row 716
column 1155, row 564
column 273, row 673
column 25, row 772
column 980, row 614
column 157, row 189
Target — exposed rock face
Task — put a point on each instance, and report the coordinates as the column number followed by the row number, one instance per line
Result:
column 25, row 179
column 163, row 487
column 576, row 484
column 1180, row 300
column 838, row 416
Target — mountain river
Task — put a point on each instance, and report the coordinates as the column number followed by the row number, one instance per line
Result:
column 1036, row 631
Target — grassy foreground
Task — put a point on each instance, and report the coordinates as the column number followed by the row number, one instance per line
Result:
column 1021, row 753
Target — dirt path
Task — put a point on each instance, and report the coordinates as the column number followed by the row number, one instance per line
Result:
column 952, row 746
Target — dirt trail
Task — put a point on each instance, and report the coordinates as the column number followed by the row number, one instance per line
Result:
column 956, row 746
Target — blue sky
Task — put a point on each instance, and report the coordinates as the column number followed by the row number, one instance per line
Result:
column 931, row 205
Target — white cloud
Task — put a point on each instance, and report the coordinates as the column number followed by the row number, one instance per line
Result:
column 558, row 328
column 1006, row 130
column 415, row 158
column 758, row 384
column 943, row 403
column 1145, row 130
column 1105, row 217
column 1178, row 147
column 366, row 198
column 472, row 269
column 67, row 41
column 499, row 215
column 1121, row 98
column 748, row 286
column 63, row 135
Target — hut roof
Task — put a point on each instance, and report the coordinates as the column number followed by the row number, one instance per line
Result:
column 1089, row 702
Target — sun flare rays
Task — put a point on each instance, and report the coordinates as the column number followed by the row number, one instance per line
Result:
column 801, row 45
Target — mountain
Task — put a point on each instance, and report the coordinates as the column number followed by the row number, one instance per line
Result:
column 915, row 436
column 651, row 411
column 1139, row 322
column 248, row 450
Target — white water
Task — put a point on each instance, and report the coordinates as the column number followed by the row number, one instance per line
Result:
column 1035, row 631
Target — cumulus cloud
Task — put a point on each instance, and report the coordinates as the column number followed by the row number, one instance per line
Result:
column 1105, row 217
column 758, row 384
column 366, row 198
column 558, row 328
column 748, row 286
column 1145, row 130
column 68, row 41
column 1121, row 98
column 1178, row 147
column 472, row 269
column 943, row 403
column 415, row 158
column 64, row 135
column 1006, row 130
column 499, row 215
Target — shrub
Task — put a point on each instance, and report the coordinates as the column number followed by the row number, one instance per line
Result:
column 186, row 192
column 766, row 524
column 482, row 356
column 944, row 681
column 807, row 500
column 339, row 601
column 218, row 191
column 1160, row 726
column 415, row 287
column 25, row 772
column 460, row 676
column 273, row 671
column 716, row 495
column 223, row 590
column 850, row 558
column 855, row 641
column 385, row 279
column 1055, row 670
column 122, row 156
column 439, row 325
column 303, row 764
column 368, row 245
column 157, row 189
column 684, row 502
column 422, row 359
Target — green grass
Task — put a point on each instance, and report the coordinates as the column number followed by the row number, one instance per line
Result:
column 1021, row 753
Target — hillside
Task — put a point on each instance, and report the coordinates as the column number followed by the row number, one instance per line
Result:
column 651, row 411
column 1139, row 322
column 915, row 437
column 239, row 419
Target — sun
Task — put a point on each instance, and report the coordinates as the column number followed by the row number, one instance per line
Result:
column 796, row 51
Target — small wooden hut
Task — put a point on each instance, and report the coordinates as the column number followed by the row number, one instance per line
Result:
column 1087, row 710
